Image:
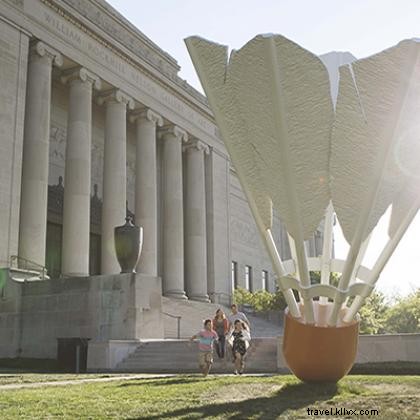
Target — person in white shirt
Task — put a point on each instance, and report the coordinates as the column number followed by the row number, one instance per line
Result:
column 235, row 314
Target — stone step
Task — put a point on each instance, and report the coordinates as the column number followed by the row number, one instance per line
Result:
column 193, row 313
column 179, row 356
column 186, row 355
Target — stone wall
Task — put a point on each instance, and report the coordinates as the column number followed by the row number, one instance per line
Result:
column 377, row 348
column 117, row 307
column 10, row 316
column 247, row 247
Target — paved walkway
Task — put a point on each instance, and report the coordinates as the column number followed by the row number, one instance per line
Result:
column 85, row 380
column 109, row 379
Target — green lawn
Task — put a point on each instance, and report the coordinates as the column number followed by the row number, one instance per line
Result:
column 28, row 378
column 215, row 397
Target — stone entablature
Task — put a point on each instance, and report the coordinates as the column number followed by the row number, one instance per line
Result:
column 107, row 18
column 104, row 17
column 81, row 41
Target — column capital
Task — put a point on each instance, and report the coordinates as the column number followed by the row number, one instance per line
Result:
column 173, row 131
column 80, row 73
column 148, row 115
column 41, row 49
column 116, row 96
column 197, row 145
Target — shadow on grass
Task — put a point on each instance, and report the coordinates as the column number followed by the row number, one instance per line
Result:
column 290, row 397
column 186, row 379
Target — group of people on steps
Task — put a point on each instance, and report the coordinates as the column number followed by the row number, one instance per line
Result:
column 223, row 332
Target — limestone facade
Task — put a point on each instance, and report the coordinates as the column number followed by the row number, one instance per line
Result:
column 96, row 123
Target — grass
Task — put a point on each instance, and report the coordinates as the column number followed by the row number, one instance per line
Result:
column 30, row 378
column 386, row 368
column 215, row 397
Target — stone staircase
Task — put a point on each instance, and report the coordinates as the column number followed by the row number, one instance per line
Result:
column 193, row 314
column 180, row 356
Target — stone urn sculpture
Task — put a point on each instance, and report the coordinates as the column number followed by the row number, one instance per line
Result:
column 128, row 240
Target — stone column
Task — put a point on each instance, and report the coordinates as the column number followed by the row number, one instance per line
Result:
column 172, row 214
column 195, row 222
column 114, row 178
column 34, row 194
column 76, row 213
column 146, row 187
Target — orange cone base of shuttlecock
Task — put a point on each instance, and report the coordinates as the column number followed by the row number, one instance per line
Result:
column 317, row 353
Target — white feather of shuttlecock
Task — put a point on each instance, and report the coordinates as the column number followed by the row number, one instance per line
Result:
column 271, row 102
column 267, row 141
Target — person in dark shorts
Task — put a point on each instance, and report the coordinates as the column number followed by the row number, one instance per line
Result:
column 239, row 340
column 221, row 326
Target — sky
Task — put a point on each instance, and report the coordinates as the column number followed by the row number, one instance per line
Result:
column 361, row 27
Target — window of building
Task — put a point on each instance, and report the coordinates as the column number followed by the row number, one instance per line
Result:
column 264, row 275
column 248, row 278
column 234, row 275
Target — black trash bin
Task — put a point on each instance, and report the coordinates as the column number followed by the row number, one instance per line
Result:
column 72, row 354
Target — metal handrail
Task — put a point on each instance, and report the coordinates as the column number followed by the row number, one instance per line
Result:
column 25, row 264
column 178, row 321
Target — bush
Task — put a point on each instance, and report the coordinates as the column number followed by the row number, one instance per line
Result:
column 261, row 300
column 279, row 302
column 242, row 296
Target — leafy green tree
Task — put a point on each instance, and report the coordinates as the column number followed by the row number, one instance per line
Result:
column 404, row 315
column 373, row 313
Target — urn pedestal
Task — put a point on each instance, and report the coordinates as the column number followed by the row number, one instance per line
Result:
column 128, row 240
column 319, row 353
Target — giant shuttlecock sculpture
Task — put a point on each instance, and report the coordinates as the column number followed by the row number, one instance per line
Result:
column 305, row 152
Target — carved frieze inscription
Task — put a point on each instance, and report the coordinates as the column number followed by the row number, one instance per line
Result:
column 106, row 56
column 93, row 13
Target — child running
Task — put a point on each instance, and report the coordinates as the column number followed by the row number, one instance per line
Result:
column 206, row 337
column 239, row 340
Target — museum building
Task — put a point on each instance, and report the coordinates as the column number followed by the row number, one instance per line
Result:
column 96, row 125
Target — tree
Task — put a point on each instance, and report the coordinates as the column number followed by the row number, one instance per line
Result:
column 373, row 313
column 404, row 315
